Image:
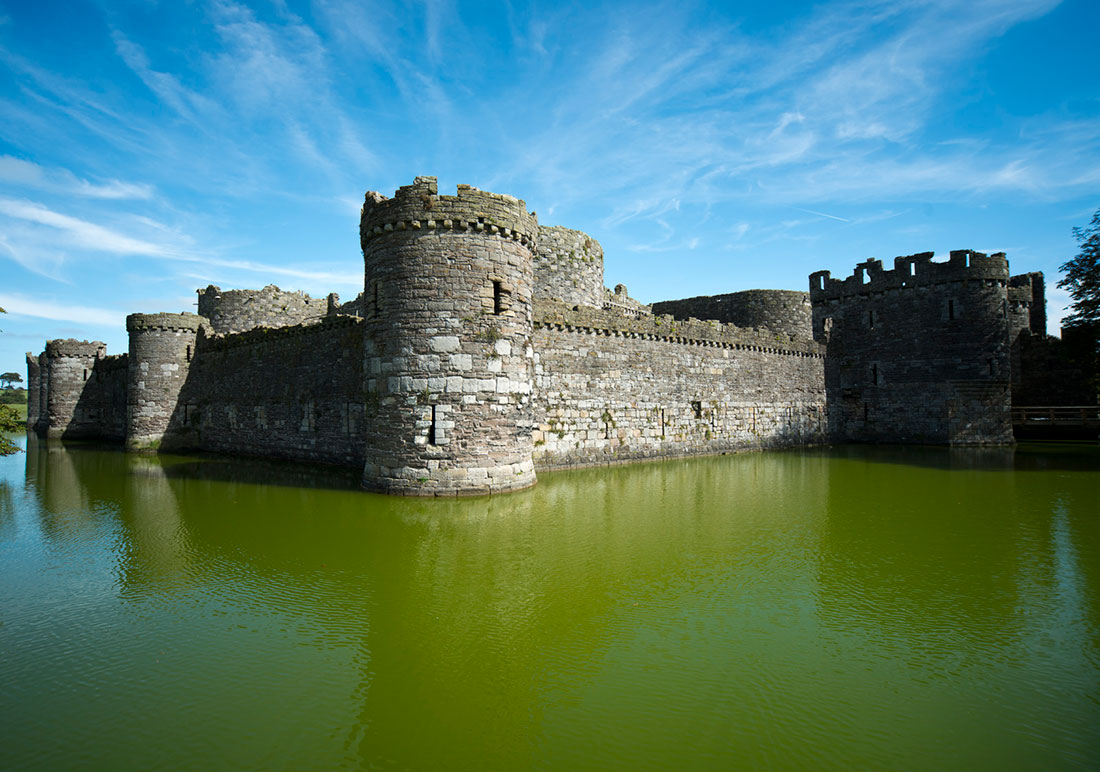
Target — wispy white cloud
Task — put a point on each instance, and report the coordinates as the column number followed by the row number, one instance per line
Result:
column 48, row 308
column 28, row 174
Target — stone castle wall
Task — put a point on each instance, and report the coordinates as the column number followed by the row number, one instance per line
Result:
column 485, row 346
column 784, row 311
column 919, row 353
column 568, row 267
column 241, row 310
column 293, row 393
column 610, row 389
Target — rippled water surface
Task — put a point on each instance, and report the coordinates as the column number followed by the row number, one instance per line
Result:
column 845, row 608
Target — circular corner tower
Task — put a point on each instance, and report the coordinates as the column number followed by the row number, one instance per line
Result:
column 161, row 349
column 69, row 365
column 447, row 351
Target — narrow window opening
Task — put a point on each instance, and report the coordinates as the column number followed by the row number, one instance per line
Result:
column 85, row 373
column 912, row 269
column 662, row 422
column 871, row 319
column 1004, row 309
column 697, row 409
column 431, row 429
column 951, row 310
column 866, row 412
column 498, row 304
column 821, row 282
column 188, row 353
column 991, row 367
column 874, row 374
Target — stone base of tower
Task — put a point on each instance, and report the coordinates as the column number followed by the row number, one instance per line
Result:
column 460, row 481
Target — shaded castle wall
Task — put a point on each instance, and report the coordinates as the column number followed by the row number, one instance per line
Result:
column 240, row 310
column 42, row 424
column 449, row 281
column 104, row 398
column 568, row 267
column 918, row 354
column 33, row 390
column 293, row 393
column 784, row 311
column 162, row 347
column 610, row 389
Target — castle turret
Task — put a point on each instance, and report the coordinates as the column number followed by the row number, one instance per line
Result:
column 69, row 366
column 34, row 371
column 161, row 349
column 448, row 358
column 919, row 353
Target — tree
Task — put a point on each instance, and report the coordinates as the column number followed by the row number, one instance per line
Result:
column 10, row 378
column 1082, row 277
column 9, row 421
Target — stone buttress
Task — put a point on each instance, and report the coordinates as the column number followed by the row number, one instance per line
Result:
column 447, row 348
column 161, row 349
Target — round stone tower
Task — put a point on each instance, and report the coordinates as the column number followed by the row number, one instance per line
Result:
column 448, row 359
column 69, row 365
column 161, row 349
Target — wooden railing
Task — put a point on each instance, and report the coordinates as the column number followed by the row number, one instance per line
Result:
column 1041, row 415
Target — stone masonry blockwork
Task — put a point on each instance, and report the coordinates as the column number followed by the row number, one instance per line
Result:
column 484, row 347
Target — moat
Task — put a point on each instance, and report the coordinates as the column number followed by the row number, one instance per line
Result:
column 846, row 607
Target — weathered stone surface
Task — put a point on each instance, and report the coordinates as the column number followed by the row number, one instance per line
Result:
column 919, row 353
column 485, row 347
column 784, row 311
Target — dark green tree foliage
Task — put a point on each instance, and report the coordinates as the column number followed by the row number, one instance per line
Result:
column 1081, row 329
column 1082, row 277
column 10, row 378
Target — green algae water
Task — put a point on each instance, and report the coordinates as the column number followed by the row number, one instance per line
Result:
column 839, row 608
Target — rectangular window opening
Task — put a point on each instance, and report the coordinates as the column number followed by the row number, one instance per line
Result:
column 912, row 269
column 874, row 374
column 871, row 319
column 498, row 304
column 951, row 310
column 991, row 372
column 431, row 429
column 85, row 373
column 697, row 409
column 188, row 353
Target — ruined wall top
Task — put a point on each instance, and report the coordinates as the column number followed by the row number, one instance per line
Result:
column 665, row 328
column 420, row 207
column 165, row 321
column 240, row 310
column 786, row 311
column 569, row 267
column 70, row 347
column 909, row 271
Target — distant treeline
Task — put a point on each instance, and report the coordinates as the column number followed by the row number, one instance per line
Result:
column 13, row 396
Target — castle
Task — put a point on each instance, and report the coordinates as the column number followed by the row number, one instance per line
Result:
column 485, row 346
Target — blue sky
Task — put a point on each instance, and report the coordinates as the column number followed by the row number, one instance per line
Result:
column 151, row 148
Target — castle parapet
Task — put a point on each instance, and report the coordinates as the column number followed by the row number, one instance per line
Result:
column 419, row 207
column 910, row 271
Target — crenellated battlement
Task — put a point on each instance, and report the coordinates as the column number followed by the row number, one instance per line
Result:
column 167, row 322
column 910, row 271
column 240, row 310
column 70, row 347
column 419, row 207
